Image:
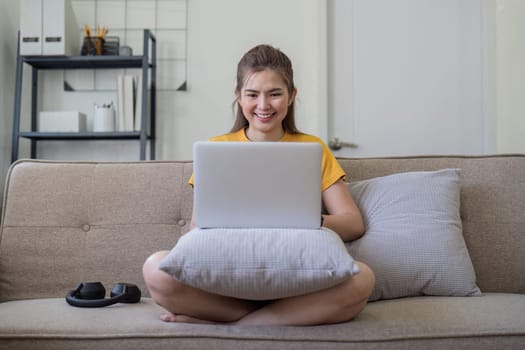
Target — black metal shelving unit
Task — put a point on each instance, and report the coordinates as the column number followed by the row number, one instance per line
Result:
column 147, row 62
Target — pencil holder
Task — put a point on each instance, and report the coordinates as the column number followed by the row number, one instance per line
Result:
column 92, row 46
column 104, row 119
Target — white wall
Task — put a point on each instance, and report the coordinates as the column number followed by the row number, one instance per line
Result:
column 219, row 33
column 8, row 35
column 510, row 76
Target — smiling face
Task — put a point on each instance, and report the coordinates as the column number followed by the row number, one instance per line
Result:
column 264, row 100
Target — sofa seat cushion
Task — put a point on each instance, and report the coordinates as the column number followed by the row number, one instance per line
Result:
column 488, row 321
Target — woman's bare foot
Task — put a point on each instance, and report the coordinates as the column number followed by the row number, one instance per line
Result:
column 170, row 317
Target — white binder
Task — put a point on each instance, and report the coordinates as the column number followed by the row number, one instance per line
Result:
column 48, row 27
column 30, row 27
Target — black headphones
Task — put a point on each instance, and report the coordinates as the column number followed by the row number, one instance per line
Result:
column 92, row 294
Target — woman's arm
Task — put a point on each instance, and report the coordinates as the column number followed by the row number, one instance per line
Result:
column 344, row 217
column 192, row 223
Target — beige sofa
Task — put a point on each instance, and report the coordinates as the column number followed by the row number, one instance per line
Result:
column 66, row 222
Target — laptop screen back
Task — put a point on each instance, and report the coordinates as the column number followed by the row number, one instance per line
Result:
column 257, row 184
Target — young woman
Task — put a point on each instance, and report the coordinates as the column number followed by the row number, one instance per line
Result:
column 265, row 95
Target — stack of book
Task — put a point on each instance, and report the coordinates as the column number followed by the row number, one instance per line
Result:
column 129, row 102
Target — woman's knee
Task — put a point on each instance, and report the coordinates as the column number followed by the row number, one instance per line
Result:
column 155, row 278
column 359, row 286
column 367, row 280
column 152, row 262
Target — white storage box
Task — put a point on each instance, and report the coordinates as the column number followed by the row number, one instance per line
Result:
column 62, row 121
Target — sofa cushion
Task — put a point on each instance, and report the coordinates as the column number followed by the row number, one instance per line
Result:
column 66, row 222
column 260, row 263
column 414, row 240
column 492, row 321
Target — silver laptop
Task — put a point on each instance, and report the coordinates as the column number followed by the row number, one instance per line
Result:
column 257, row 184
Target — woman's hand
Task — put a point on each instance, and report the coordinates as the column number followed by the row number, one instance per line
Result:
column 344, row 217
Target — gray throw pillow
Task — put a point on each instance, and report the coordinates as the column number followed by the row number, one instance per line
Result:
column 414, row 241
column 260, row 264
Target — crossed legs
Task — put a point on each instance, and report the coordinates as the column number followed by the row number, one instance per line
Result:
column 187, row 304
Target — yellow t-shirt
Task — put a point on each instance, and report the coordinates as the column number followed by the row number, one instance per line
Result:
column 331, row 170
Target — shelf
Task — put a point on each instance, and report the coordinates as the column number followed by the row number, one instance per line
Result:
column 120, row 135
column 145, row 62
column 83, row 62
